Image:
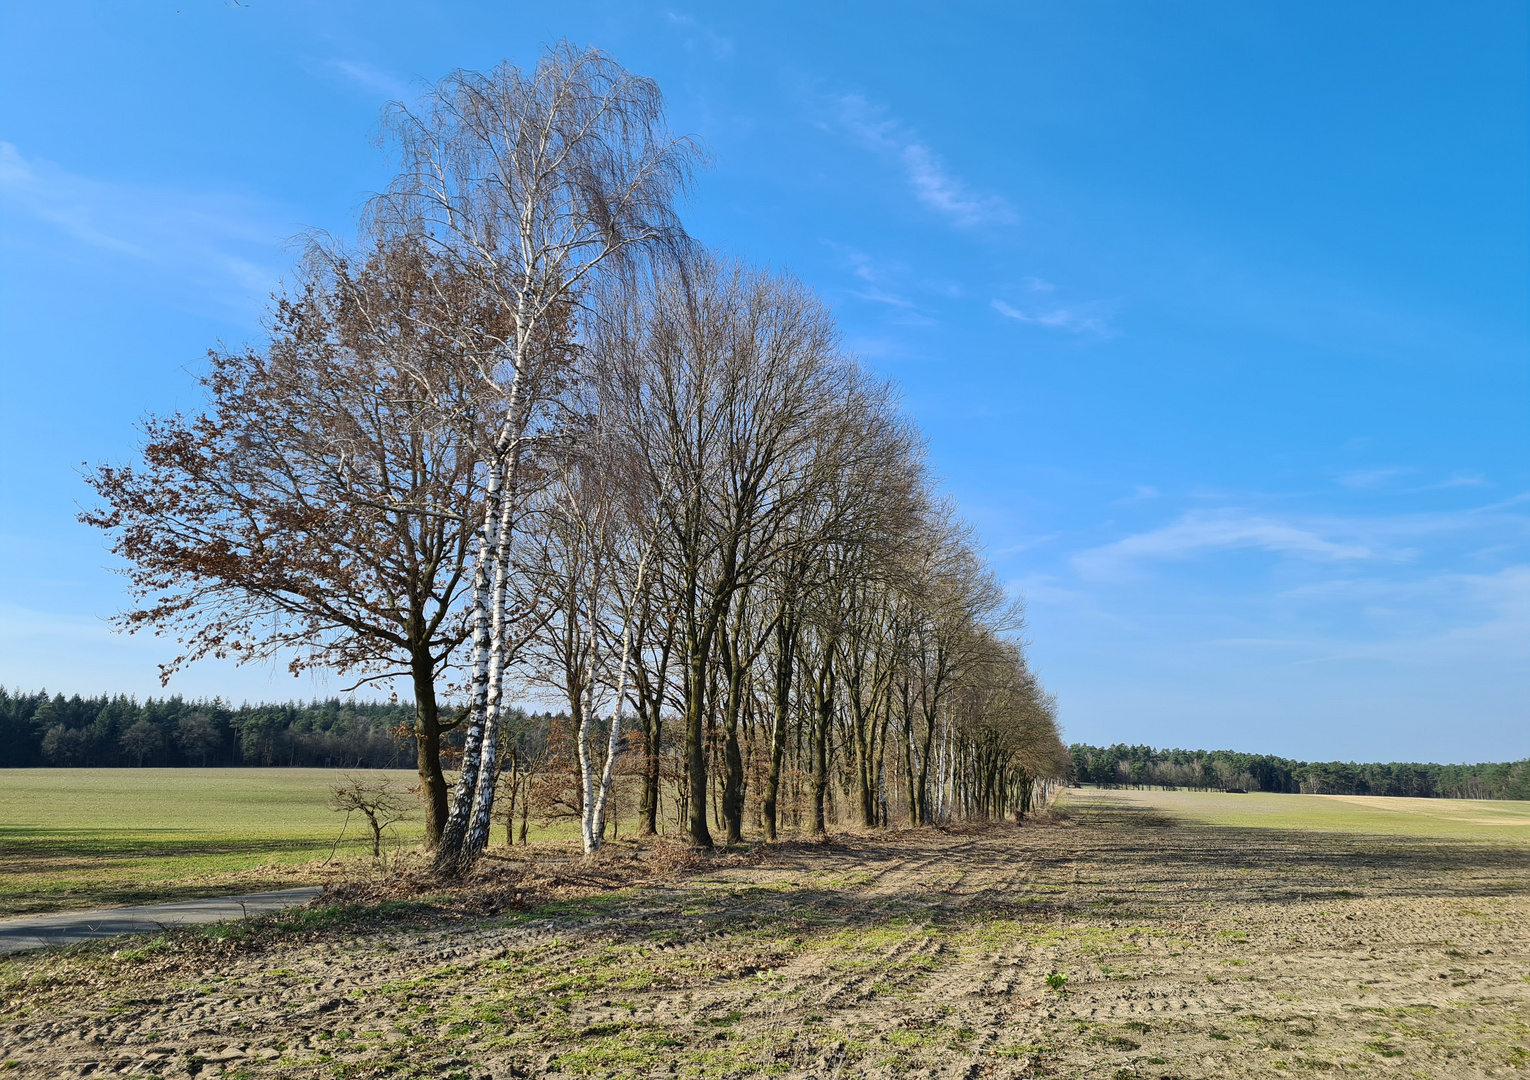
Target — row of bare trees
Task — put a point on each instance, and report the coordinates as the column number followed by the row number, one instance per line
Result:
column 526, row 436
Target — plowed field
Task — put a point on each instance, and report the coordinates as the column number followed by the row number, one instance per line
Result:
column 1130, row 939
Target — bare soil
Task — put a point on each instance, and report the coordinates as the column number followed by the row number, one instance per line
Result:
column 1116, row 943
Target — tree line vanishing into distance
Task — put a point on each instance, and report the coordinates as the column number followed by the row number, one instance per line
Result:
column 525, row 435
column 540, row 773
column 1143, row 766
column 39, row 729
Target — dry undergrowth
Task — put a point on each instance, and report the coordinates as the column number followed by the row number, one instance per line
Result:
column 528, row 878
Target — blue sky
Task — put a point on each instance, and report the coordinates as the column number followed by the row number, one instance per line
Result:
column 1215, row 315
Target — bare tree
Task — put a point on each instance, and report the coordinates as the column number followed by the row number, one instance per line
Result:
column 374, row 798
column 322, row 504
column 717, row 379
column 533, row 184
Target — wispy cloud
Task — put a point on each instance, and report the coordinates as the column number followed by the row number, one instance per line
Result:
column 878, row 296
column 225, row 243
column 889, row 284
column 1199, row 533
column 1461, row 480
column 1079, row 319
column 696, row 35
column 931, row 182
column 1361, row 479
column 1384, row 540
column 49, row 194
column 1373, row 479
column 371, row 78
column 1027, row 544
column 1444, row 617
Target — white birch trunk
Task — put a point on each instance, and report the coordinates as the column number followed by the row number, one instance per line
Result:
column 488, row 764
column 455, row 831
column 475, row 789
column 613, row 746
column 596, row 832
column 586, row 765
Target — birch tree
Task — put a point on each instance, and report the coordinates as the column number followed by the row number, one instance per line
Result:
column 534, row 184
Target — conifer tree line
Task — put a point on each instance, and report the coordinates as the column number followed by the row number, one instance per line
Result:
column 524, row 435
column 115, row 730
column 1143, row 766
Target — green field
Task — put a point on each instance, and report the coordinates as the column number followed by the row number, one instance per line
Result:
column 73, row 838
column 1453, row 819
column 78, row 838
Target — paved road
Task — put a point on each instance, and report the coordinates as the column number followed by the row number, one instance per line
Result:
column 35, row 931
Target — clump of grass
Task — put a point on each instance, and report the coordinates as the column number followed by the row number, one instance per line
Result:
column 1118, row 1042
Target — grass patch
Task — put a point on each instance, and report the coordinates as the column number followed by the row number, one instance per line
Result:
column 72, row 839
column 1455, row 819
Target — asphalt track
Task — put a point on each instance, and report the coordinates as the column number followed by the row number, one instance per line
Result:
column 38, row 931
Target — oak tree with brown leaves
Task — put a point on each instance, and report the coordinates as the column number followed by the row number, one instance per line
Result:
column 320, row 507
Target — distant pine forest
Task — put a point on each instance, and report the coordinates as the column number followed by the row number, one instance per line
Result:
column 1143, row 766
column 116, row 731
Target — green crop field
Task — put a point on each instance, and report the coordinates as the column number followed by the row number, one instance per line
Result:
column 78, row 838
column 83, row 838
column 1454, row 819
column 72, row 838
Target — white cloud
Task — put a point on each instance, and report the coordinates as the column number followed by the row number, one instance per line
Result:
column 1026, row 545
column 862, row 266
column 1371, row 478
column 1390, row 636
column 49, row 194
column 886, row 284
column 1082, row 319
column 697, row 35
column 928, row 178
column 878, row 296
column 1460, row 480
column 371, row 78
column 1200, row 533
column 1439, row 620
column 227, row 244
column 937, row 188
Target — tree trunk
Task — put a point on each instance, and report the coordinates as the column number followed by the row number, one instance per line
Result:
column 648, row 812
column 825, row 715
column 863, row 734
column 652, row 719
column 427, row 738
column 786, row 643
column 695, row 746
column 449, row 852
column 733, row 761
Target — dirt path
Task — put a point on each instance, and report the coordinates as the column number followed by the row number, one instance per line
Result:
column 1175, row 950
column 37, row 931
